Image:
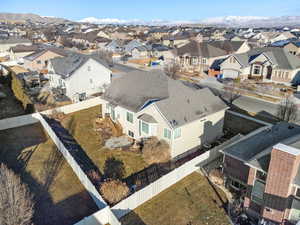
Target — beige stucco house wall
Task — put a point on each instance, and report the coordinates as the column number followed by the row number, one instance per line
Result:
column 193, row 134
column 40, row 62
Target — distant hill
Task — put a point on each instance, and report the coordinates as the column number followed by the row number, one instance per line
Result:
column 227, row 21
column 252, row 21
column 29, row 17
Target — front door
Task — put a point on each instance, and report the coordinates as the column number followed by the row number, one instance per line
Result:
column 269, row 72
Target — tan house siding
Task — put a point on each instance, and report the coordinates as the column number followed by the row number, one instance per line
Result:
column 39, row 63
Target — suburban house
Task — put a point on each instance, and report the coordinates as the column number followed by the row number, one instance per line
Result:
column 199, row 56
column 269, row 64
column 152, row 104
column 6, row 44
column 20, row 51
column 293, row 47
column 264, row 38
column 177, row 40
column 39, row 60
column 264, row 167
column 116, row 46
column 163, row 52
column 141, row 52
column 283, row 36
column 78, row 76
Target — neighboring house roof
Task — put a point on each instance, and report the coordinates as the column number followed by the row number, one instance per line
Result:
column 255, row 148
column 42, row 51
column 148, row 86
column 228, row 46
column 66, row 66
column 216, row 64
column 278, row 56
column 203, row 49
column 132, row 44
column 14, row 41
column 179, row 104
column 160, row 48
column 24, row 48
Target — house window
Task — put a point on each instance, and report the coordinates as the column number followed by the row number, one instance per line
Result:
column 203, row 61
column 130, row 134
column 167, row 133
column 257, row 194
column 236, row 185
column 194, row 60
column 286, row 75
column 256, row 70
column 261, row 175
column 129, row 117
column 145, row 127
column 91, row 80
column 82, row 96
column 177, row 133
column 297, row 192
column 89, row 68
column 113, row 113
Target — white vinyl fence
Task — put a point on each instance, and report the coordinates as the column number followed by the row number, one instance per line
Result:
column 102, row 217
column 148, row 192
column 28, row 119
column 72, row 162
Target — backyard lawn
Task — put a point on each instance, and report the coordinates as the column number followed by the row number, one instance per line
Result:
column 59, row 196
column 9, row 106
column 191, row 201
column 80, row 125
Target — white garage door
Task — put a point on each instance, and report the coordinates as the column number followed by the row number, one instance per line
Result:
column 230, row 74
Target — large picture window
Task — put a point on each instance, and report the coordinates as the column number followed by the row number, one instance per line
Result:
column 167, row 133
column 145, row 127
column 177, row 133
column 129, row 117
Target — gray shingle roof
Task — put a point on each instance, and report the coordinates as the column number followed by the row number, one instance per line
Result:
column 65, row 66
column 209, row 49
column 136, row 88
column 178, row 103
column 41, row 51
column 186, row 104
column 255, row 148
column 278, row 56
column 14, row 41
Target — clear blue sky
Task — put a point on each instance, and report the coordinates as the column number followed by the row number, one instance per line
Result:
column 154, row 9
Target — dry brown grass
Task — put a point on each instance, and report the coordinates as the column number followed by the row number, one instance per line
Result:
column 114, row 190
column 156, row 151
column 190, row 201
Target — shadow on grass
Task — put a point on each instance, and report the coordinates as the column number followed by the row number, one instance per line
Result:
column 15, row 155
column 132, row 219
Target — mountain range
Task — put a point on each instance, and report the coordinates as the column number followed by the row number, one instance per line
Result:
column 30, row 17
column 228, row 21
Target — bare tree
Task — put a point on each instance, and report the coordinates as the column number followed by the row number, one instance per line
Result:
column 171, row 70
column 16, row 205
column 232, row 92
column 66, row 42
column 106, row 56
column 287, row 110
